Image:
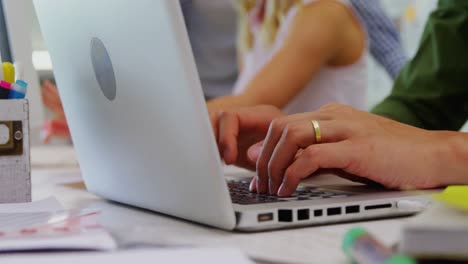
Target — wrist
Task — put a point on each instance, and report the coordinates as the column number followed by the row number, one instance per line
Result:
column 450, row 154
column 228, row 102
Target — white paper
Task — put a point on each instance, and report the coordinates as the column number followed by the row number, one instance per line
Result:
column 92, row 240
column 45, row 225
column 53, row 157
column 50, row 204
column 60, row 230
column 192, row 256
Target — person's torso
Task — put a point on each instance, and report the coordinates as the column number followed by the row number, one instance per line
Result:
column 212, row 31
column 344, row 84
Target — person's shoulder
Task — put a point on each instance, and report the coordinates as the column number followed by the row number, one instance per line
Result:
column 326, row 10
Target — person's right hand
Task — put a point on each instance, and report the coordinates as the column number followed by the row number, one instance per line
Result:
column 57, row 126
column 237, row 130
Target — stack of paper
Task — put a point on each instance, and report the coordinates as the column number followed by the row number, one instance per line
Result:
column 45, row 225
column 441, row 232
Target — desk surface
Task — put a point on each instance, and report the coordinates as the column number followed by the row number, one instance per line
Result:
column 134, row 227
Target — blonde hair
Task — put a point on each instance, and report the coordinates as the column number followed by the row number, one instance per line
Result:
column 275, row 11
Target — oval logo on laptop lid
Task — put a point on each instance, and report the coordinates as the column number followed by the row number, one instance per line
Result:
column 103, row 69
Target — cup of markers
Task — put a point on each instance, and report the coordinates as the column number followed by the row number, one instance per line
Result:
column 11, row 87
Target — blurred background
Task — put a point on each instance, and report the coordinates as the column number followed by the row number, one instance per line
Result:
column 408, row 15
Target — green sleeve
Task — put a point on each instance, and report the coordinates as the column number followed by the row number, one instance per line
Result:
column 431, row 92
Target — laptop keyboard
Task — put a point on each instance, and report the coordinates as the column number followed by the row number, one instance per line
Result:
column 240, row 194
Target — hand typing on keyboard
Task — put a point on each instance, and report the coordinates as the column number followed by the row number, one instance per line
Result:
column 240, row 194
column 236, row 131
column 368, row 146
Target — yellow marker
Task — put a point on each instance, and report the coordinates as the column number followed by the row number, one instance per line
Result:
column 8, row 72
column 455, row 196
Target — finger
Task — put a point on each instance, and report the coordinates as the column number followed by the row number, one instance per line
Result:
column 297, row 136
column 59, row 129
column 254, row 152
column 228, row 124
column 253, row 185
column 51, row 102
column 294, row 137
column 273, row 136
column 327, row 156
column 51, row 89
column 256, row 119
column 214, row 124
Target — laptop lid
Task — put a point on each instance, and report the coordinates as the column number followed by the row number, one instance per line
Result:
column 133, row 100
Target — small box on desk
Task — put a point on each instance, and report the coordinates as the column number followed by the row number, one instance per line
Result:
column 15, row 168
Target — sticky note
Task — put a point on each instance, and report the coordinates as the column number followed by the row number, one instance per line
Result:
column 455, row 196
column 8, row 72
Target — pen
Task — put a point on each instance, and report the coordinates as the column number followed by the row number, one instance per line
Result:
column 5, row 88
column 8, row 72
column 362, row 248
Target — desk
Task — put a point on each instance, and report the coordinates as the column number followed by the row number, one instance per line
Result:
column 133, row 227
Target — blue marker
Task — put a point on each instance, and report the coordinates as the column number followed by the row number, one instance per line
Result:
column 363, row 248
column 18, row 90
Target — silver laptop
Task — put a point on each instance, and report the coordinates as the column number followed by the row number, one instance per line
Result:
column 137, row 115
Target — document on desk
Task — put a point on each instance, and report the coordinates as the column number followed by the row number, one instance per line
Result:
column 46, row 205
column 45, row 225
column 193, row 256
column 19, row 215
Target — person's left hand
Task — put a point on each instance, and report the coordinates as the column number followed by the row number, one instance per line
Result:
column 371, row 147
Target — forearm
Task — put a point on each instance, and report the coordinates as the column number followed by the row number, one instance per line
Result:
column 229, row 102
column 450, row 149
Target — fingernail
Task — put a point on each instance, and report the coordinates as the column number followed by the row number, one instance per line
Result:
column 251, row 187
column 282, row 190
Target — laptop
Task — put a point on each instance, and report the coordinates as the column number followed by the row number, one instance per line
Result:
column 138, row 119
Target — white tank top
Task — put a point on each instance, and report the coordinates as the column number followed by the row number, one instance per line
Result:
column 345, row 84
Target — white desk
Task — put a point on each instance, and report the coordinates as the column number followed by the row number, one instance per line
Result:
column 133, row 226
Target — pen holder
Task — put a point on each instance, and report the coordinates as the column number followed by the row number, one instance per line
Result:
column 15, row 166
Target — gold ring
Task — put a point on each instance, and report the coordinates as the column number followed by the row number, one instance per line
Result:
column 318, row 132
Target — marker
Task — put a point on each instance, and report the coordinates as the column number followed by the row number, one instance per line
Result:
column 362, row 248
column 19, row 71
column 1, row 72
column 22, row 84
column 5, row 89
column 8, row 72
column 18, row 90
